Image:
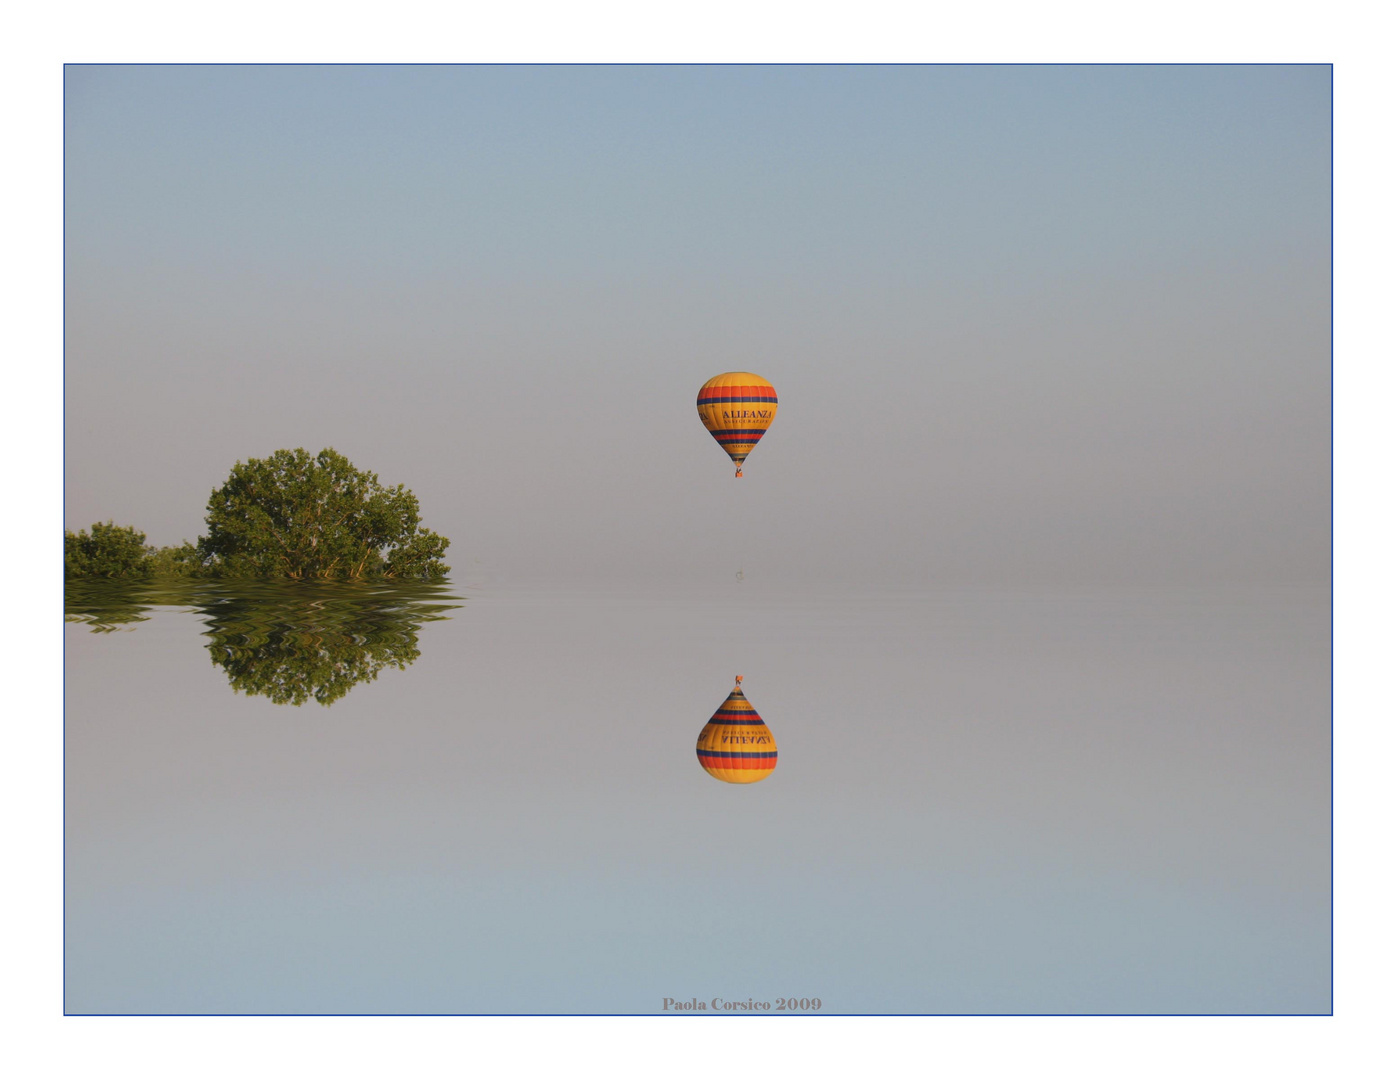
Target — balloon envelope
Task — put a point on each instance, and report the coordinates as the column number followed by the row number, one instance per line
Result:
column 735, row 745
column 737, row 407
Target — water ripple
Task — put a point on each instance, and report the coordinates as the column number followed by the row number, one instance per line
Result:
column 288, row 641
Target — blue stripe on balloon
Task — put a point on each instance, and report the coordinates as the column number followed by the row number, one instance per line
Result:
column 736, row 753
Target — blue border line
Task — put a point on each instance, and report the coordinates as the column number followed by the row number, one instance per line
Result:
column 1331, row 540
column 734, row 1015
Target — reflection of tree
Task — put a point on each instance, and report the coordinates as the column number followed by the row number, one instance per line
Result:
column 287, row 641
column 314, row 641
column 104, row 605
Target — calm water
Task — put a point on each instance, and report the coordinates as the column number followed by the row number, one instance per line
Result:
column 329, row 799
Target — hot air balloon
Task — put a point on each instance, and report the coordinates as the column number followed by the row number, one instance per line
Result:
column 735, row 745
column 737, row 407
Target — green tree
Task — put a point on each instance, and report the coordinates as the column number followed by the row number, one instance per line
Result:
column 109, row 551
column 303, row 517
column 182, row 561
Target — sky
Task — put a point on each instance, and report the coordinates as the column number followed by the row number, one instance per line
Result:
column 1046, row 325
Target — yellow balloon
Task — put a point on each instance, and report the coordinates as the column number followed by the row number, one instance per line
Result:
column 737, row 407
column 735, row 745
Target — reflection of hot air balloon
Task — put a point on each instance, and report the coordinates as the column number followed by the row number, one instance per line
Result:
column 736, row 746
column 737, row 407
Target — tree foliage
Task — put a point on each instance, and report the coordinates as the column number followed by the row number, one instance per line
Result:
column 109, row 551
column 184, row 560
column 303, row 517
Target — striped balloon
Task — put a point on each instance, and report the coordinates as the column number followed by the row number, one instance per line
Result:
column 737, row 407
column 735, row 746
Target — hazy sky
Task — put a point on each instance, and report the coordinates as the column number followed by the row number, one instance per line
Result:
column 1026, row 323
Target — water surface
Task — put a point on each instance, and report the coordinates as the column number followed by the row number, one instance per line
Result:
column 484, row 800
